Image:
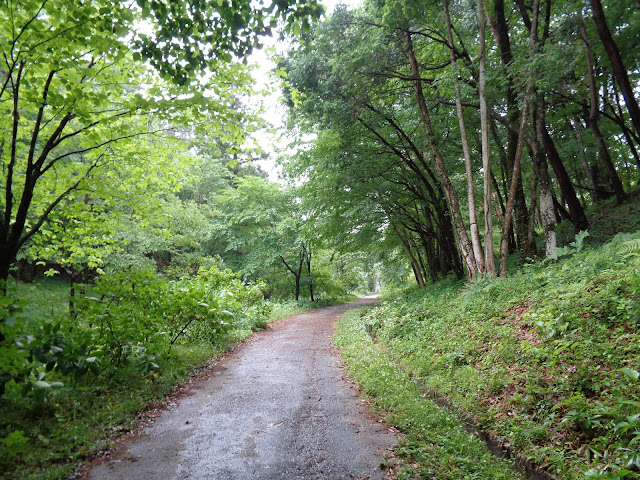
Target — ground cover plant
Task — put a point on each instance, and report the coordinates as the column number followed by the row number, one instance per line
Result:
column 546, row 360
column 434, row 443
column 76, row 373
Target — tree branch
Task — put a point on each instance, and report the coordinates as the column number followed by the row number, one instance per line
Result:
column 94, row 147
column 43, row 217
column 25, row 26
column 36, row 127
column 8, row 208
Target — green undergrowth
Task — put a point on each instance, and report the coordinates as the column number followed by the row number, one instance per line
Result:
column 80, row 395
column 48, row 440
column 547, row 359
column 434, row 443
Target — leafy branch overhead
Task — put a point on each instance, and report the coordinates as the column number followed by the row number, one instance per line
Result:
column 77, row 89
column 189, row 36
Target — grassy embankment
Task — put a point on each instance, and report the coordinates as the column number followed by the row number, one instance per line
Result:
column 546, row 361
column 48, row 439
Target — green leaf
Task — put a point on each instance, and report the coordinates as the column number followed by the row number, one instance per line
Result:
column 631, row 373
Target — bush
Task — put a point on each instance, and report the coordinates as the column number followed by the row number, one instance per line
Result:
column 126, row 318
column 69, row 379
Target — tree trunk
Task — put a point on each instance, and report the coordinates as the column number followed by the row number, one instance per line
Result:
column 489, row 257
column 595, row 191
column 296, row 273
column 594, row 117
column 308, row 262
column 6, row 260
column 297, row 292
column 531, row 231
column 617, row 65
column 547, row 210
column 628, row 134
column 463, row 239
column 424, row 271
column 473, row 218
column 547, row 218
column 414, row 263
column 500, row 29
column 578, row 217
column 506, row 225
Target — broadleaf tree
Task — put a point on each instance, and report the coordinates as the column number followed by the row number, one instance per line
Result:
column 74, row 84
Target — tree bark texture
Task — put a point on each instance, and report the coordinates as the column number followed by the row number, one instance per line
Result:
column 547, row 209
column 594, row 118
column 500, row 29
column 489, row 257
column 578, row 217
column 586, row 168
column 617, row 65
column 473, row 216
column 466, row 248
column 508, row 211
column 414, row 263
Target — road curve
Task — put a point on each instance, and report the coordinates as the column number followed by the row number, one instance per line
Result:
column 279, row 407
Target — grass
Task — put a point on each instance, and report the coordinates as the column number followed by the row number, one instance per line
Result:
column 47, row 297
column 48, row 439
column 76, row 423
column 434, row 441
column 547, row 360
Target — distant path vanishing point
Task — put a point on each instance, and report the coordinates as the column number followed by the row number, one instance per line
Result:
column 278, row 407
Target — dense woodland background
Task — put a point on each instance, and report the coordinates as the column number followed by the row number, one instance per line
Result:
column 451, row 127
column 433, row 145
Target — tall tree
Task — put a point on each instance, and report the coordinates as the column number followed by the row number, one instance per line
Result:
column 466, row 150
column 501, row 33
column 465, row 246
column 617, row 65
column 594, row 117
column 490, row 266
column 71, row 76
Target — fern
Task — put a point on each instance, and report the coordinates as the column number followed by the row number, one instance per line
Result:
column 574, row 247
column 580, row 238
column 630, row 249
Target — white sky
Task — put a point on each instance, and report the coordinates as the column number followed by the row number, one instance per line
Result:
column 274, row 111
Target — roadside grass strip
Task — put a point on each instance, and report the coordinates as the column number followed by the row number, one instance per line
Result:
column 545, row 361
column 435, row 444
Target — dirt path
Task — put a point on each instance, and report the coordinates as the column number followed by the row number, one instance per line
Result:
column 279, row 407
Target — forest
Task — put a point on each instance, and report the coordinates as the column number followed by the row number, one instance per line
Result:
column 476, row 161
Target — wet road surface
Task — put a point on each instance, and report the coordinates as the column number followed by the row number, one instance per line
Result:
column 279, row 407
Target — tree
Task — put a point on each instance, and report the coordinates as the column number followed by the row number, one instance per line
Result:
column 259, row 232
column 74, row 104
column 380, row 88
column 617, row 64
column 75, row 88
column 489, row 258
column 190, row 36
column 466, row 150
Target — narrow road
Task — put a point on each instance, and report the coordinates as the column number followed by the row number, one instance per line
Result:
column 279, row 407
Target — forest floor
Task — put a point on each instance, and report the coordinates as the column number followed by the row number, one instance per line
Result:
column 278, row 406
